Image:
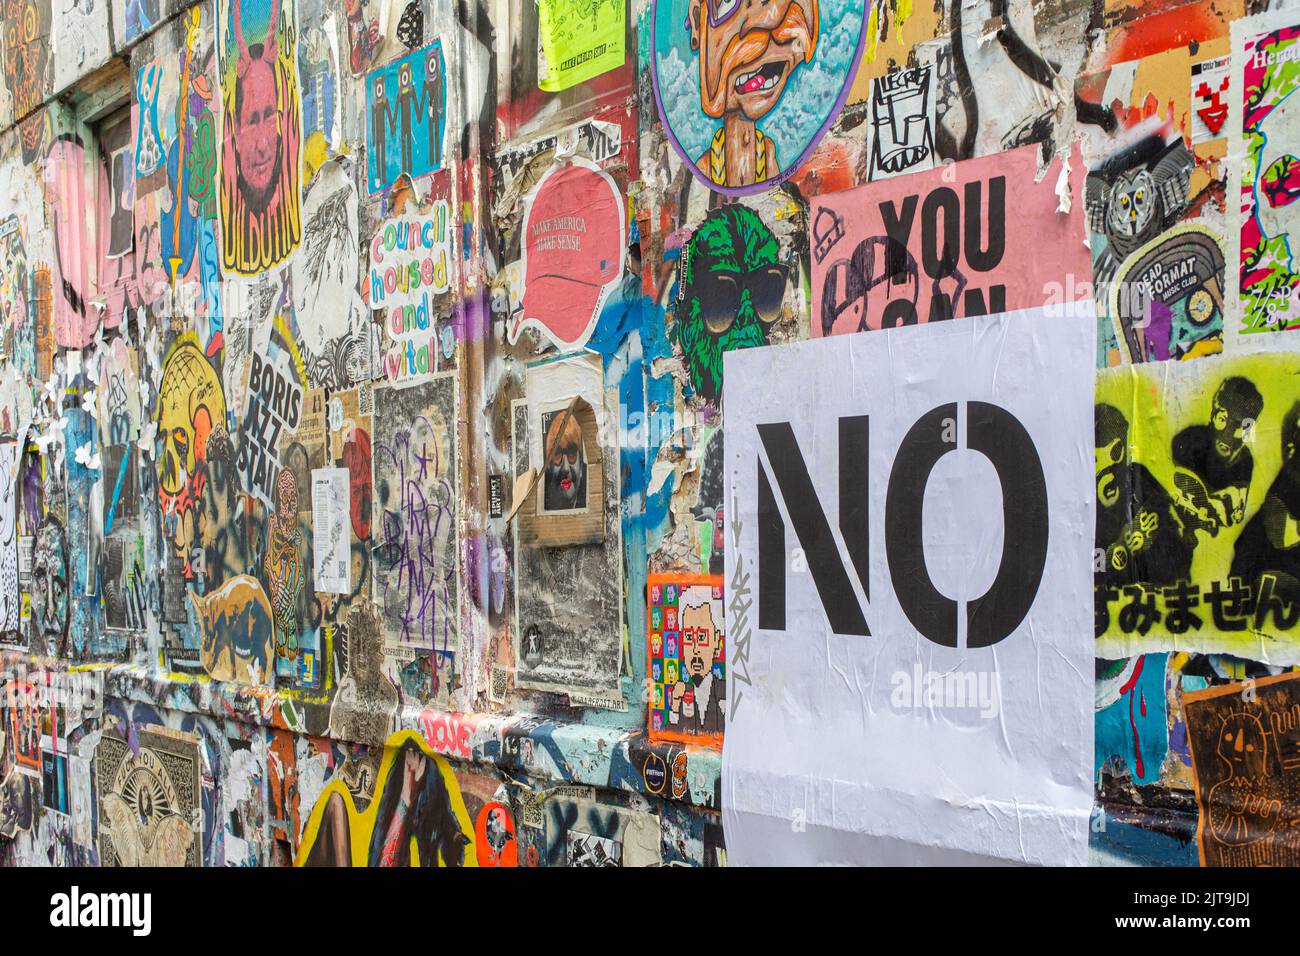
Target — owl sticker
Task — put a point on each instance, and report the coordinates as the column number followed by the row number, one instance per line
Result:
column 1135, row 195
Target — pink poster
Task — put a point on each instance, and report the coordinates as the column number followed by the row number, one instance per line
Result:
column 976, row 238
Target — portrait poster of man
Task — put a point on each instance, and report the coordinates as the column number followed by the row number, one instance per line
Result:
column 574, row 645
column 745, row 91
column 564, row 505
column 260, row 201
column 1198, row 508
column 564, row 480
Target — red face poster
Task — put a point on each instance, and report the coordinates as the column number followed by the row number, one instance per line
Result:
column 976, row 238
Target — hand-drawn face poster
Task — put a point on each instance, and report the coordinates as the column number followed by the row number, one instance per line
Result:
column 148, row 799
column 687, row 658
column 406, row 117
column 414, row 547
column 334, row 331
column 1245, row 744
column 902, row 122
column 907, row 567
column 568, row 601
column 746, row 90
column 979, row 238
column 1266, row 54
column 1198, row 508
column 261, row 131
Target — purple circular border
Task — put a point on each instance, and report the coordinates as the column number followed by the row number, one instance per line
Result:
column 774, row 181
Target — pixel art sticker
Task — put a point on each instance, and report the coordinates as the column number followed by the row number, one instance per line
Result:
column 687, row 666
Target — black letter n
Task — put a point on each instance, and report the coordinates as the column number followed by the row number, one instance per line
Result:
column 831, row 578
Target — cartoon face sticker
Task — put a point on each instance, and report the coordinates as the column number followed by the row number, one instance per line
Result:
column 1243, row 745
column 732, row 286
column 746, row 88
column 679, row 775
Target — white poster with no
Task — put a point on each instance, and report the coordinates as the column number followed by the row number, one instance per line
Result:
column 909, row 590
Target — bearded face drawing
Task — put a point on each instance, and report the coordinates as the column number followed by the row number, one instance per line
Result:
column 732, row 288
column 261, row 162
column 565, row 481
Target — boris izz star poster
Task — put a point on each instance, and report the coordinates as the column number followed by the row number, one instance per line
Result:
column 907, row 571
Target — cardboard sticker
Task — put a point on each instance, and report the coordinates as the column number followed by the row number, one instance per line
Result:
column 1245, row 746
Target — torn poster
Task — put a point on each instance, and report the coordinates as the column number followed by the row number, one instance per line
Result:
column 577, row 42
column 979, row 238
column 330, row 526
column 907, row 571
column 1198, row 493
column 1245, row 745
column 1266, row 118
column 568, row 602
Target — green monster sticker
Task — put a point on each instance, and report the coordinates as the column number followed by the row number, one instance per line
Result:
column 732, row 289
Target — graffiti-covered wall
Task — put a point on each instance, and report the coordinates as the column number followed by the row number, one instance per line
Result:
column 431, row 431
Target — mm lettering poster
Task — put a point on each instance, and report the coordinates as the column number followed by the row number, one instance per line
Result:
column 406, row 117
column 1198, row 499
column 909, row 677
column 978, row 238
